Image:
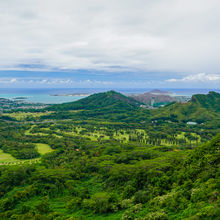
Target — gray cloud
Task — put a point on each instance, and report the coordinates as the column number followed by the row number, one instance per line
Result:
column 172, row 35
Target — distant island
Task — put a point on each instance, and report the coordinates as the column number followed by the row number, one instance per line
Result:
column 75, row 94
column 20, row 97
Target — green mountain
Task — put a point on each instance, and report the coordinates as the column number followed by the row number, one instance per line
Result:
column 110, row 99
column 200, row 108
column 210, row 101
column 111, row 106
column 114, row 106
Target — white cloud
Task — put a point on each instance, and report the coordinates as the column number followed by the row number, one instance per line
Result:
column 143, row 34
column 8, row 80
column 45, row 82
column 14, row 80
column 200, row 77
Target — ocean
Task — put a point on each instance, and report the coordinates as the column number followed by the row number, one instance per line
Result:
column 47, row 95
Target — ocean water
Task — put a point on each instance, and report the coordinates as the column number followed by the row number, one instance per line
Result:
column 43, row 95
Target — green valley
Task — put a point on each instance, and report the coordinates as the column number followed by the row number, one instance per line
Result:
column 106, row 157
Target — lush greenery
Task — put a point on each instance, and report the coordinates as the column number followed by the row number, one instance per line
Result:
column 200, row 109
column 101, row 101
column 111, row 159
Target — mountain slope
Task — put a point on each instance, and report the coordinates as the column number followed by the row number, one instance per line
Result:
column 200, row 108
column 110, row 99
column 210, row 101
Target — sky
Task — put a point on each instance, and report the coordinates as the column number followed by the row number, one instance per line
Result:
column 113, row 44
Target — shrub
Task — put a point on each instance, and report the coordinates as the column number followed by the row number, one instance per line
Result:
column 129, row 214
column 101, row 203
column 43, row 206
column 158, row 215
column 128, row 191
column 74, row 203
column 126, row 203
column 141, row 196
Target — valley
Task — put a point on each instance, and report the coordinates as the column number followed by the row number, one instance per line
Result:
column 105, row 157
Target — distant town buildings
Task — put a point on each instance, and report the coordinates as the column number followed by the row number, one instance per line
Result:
column 191, row 123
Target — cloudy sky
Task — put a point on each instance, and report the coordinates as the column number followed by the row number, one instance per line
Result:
column 117, row 43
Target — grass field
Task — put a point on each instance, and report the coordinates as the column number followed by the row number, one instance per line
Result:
column 7, row 159
column 43, row 148
column 102, row 133
column 120, row 135
column 24, row 115
column 4, row 157
column 28, row 132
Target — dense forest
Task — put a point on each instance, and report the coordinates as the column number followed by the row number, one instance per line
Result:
column 105, row 157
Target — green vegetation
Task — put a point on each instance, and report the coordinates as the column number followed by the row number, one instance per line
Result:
column 100, row 101
column 4, row 157
column 26, row 115
column 7, row 159
column 200, row 109
column 111, row 160
column 43, row 148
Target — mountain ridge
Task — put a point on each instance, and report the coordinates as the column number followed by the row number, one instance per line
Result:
column 200, row 108
column 99, row 101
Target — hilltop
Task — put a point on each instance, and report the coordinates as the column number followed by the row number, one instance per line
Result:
column 110, row 99
column 111, row 106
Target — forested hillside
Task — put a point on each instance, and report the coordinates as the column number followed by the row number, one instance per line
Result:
column 104, row 157
column 114, row 181
column 201, row 109
column 110, row 99
column 113, row 106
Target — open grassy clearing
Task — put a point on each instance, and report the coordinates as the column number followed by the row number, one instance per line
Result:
column 43, row 148
column 43, row 132
column 5, row 157
column 103, row 133
column 92, row 136
column 29, row 132
column 127, row 135
column 26, row 115
column 8, row 159
column 58, row 136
